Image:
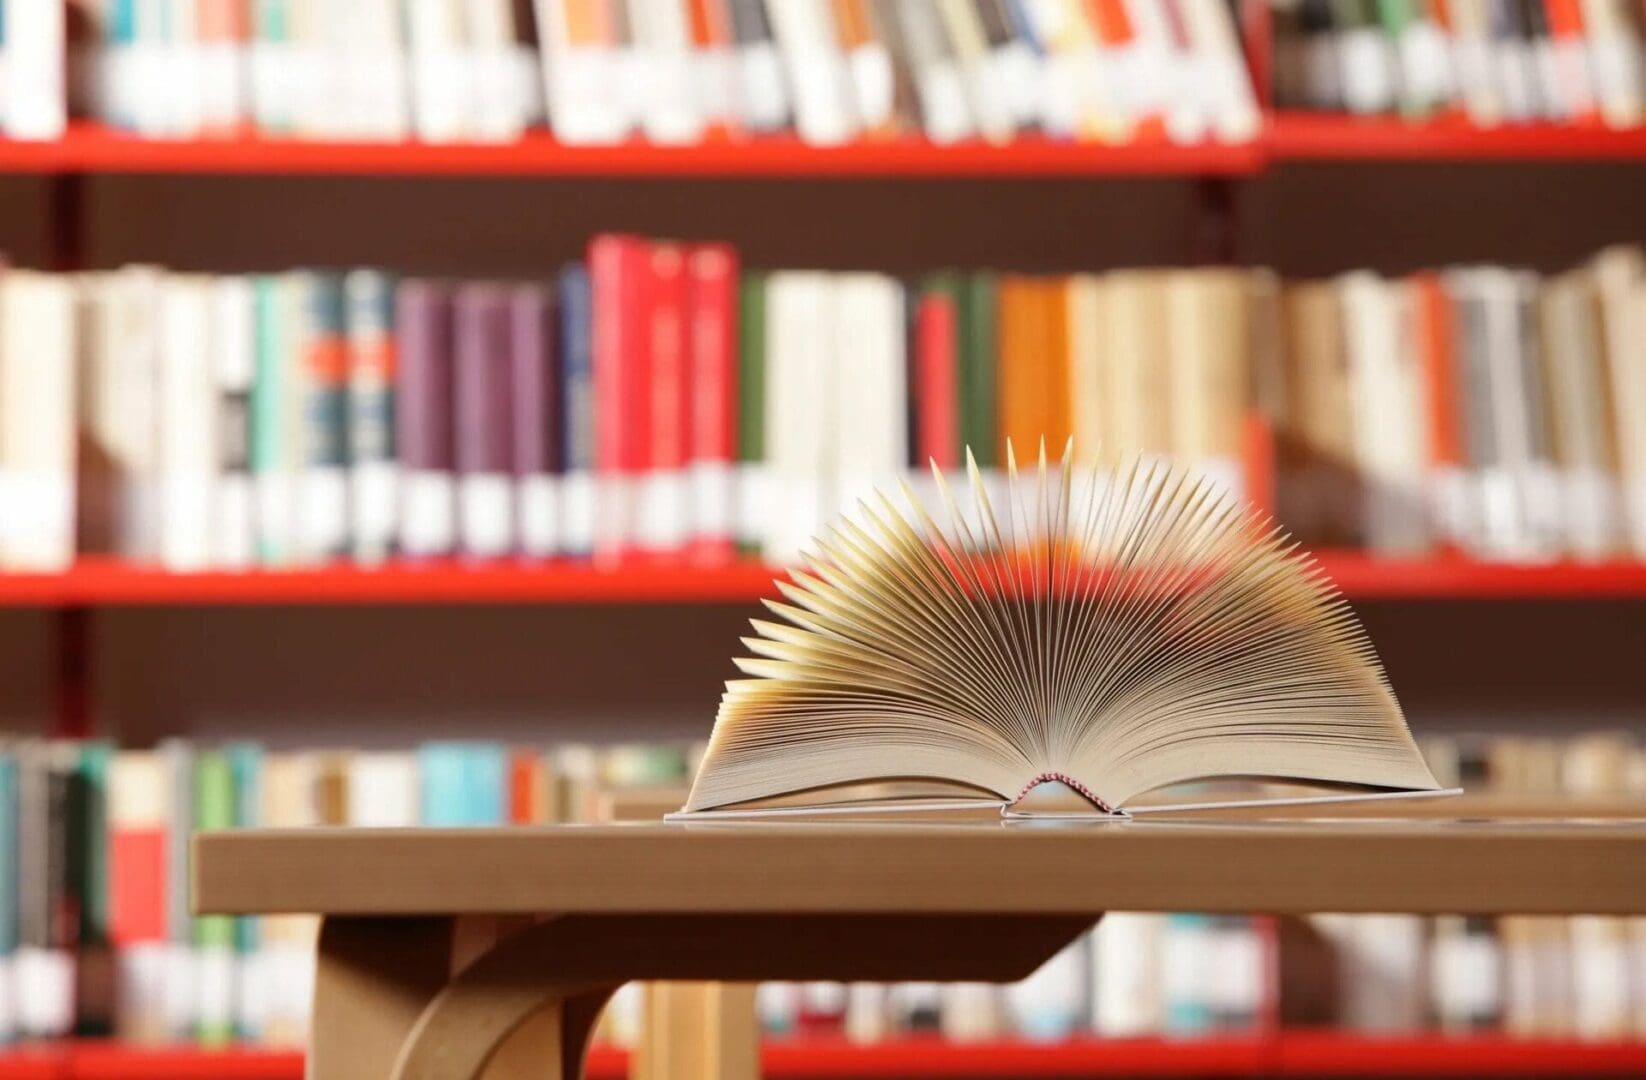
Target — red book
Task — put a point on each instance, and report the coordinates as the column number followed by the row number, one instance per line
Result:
column 137, row 811
column 619, row 272
column 524, row 804
column 663, row 502
column 937, row 382
column 711, row 270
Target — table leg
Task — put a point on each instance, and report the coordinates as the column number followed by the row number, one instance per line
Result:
column 373, row 979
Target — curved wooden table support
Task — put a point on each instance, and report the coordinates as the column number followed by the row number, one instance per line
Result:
column 559, row 973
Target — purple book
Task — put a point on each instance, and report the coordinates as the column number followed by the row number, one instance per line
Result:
column 485, row 449
column 423, row 417
column 535, row 385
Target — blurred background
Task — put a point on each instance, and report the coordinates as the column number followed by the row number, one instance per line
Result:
column 404, row 404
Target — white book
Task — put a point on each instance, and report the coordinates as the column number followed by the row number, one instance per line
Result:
column 970, row 1012
column 1186, row 973
column 714, row 70
column 1621, row 276
column 272, row 90
column 1425, row 64
column 1600, row 977
column 800, row 410
column 132, row 327
column 1616, row 62
column 939, row 87
column 35, row 93
column 1466, row 975
column 233, row 346
column 1574, row 366
column 868, row 1013
column 313, row 45
column 1236, row 964
column 222, row 63
column 816, row 70
column 762, row 90
column 870, row 395
column 381, row 789
column 581, row 78
column 180, row 72
column 1385, row 385
column 671, row 111
column 987, row 100
column 1382, row 983
column 37, row 421
column 498, row 109
column 1231, row 103
column 1154, row 75
column 1516, row 68
column 442, row 78
column 187, row 447
column 1472, row 60
column 372, row 68
column 1126, row 970
column 1050, row 1004
column 1016, row 73
column 1060, row 104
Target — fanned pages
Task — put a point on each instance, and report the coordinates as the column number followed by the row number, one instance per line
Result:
column 1113, row 631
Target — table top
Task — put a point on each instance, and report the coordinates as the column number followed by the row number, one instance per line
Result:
column 1524, row 866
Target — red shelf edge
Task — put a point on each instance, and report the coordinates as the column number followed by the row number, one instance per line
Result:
column 1288, row 135
column 96, row 582
column 89, row 147
column 1294, row 1053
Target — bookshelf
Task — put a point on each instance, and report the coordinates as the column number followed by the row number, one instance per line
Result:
column 1326, row 137
column 1299, row 1053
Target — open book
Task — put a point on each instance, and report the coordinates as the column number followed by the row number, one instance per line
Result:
column 1106, row 633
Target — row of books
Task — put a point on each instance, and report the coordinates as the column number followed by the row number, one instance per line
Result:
column 673, row 71
column 1480, row 408
column 654, row 400
column 1528, row 976
column 649, row 401
column 1491, row 61
column 96, row 936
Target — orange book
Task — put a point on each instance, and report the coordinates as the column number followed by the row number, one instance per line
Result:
column 1437, row 331
column 527, row 805
column 1055, row 421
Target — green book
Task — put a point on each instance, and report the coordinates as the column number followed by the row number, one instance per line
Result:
column 214, row 808
column 10, row 884
column 246, row 765
column 979, row 361
column 88, row 840
column 751, row 409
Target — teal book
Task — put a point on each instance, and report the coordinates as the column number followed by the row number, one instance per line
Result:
column 246, row 765
column 214, row 809
column 443, row 769
column 268, row 457
column 486, row 774
column 10, row 883
column 89, row 888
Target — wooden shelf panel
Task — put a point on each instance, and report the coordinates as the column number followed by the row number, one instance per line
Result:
column 97, row 582
column 1298, row 1053
column 95, row 148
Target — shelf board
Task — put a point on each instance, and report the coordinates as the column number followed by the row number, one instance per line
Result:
column 98, row 582
column 1304, row 136
column 1295, row 1053
column 95, row 148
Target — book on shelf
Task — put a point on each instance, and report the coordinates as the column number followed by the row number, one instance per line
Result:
column 1489, row 62
column 598, row 72
column 663, row 399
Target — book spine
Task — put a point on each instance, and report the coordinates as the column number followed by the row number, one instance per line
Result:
column 372, row 494
column 37, row 422
column 270, row 457
column 481, row 401
column 535, row 421
column 497, row 110
column 10, row 888
column 234, row 358
column 662, row 523
column 216, row 977
column 618, row 277
column 442, row 81
column 761, row 88
column 423, row 419
column 137, row 891
column 249, row 994
column 713, row 343
column 322, row 357
column 188, row 446
column 579, row 442
column 36, row 88
column 752, row 472
column 937, row 395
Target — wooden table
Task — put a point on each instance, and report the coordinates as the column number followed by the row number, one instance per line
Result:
column 465, row 953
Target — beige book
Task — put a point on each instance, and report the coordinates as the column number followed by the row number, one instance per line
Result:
column 1088, row 397
column 1134, row 342
column 285, row 956
column 37, row 420
column 1620, row 273
column 1317, row 438
column 1021, row 648
column 1582, row 426
column 1598, row 765
column 1208, row 340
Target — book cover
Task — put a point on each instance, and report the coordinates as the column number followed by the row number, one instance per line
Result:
column 373, row 491
column 535, row 421
column 481, row 398
column 423, row 418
